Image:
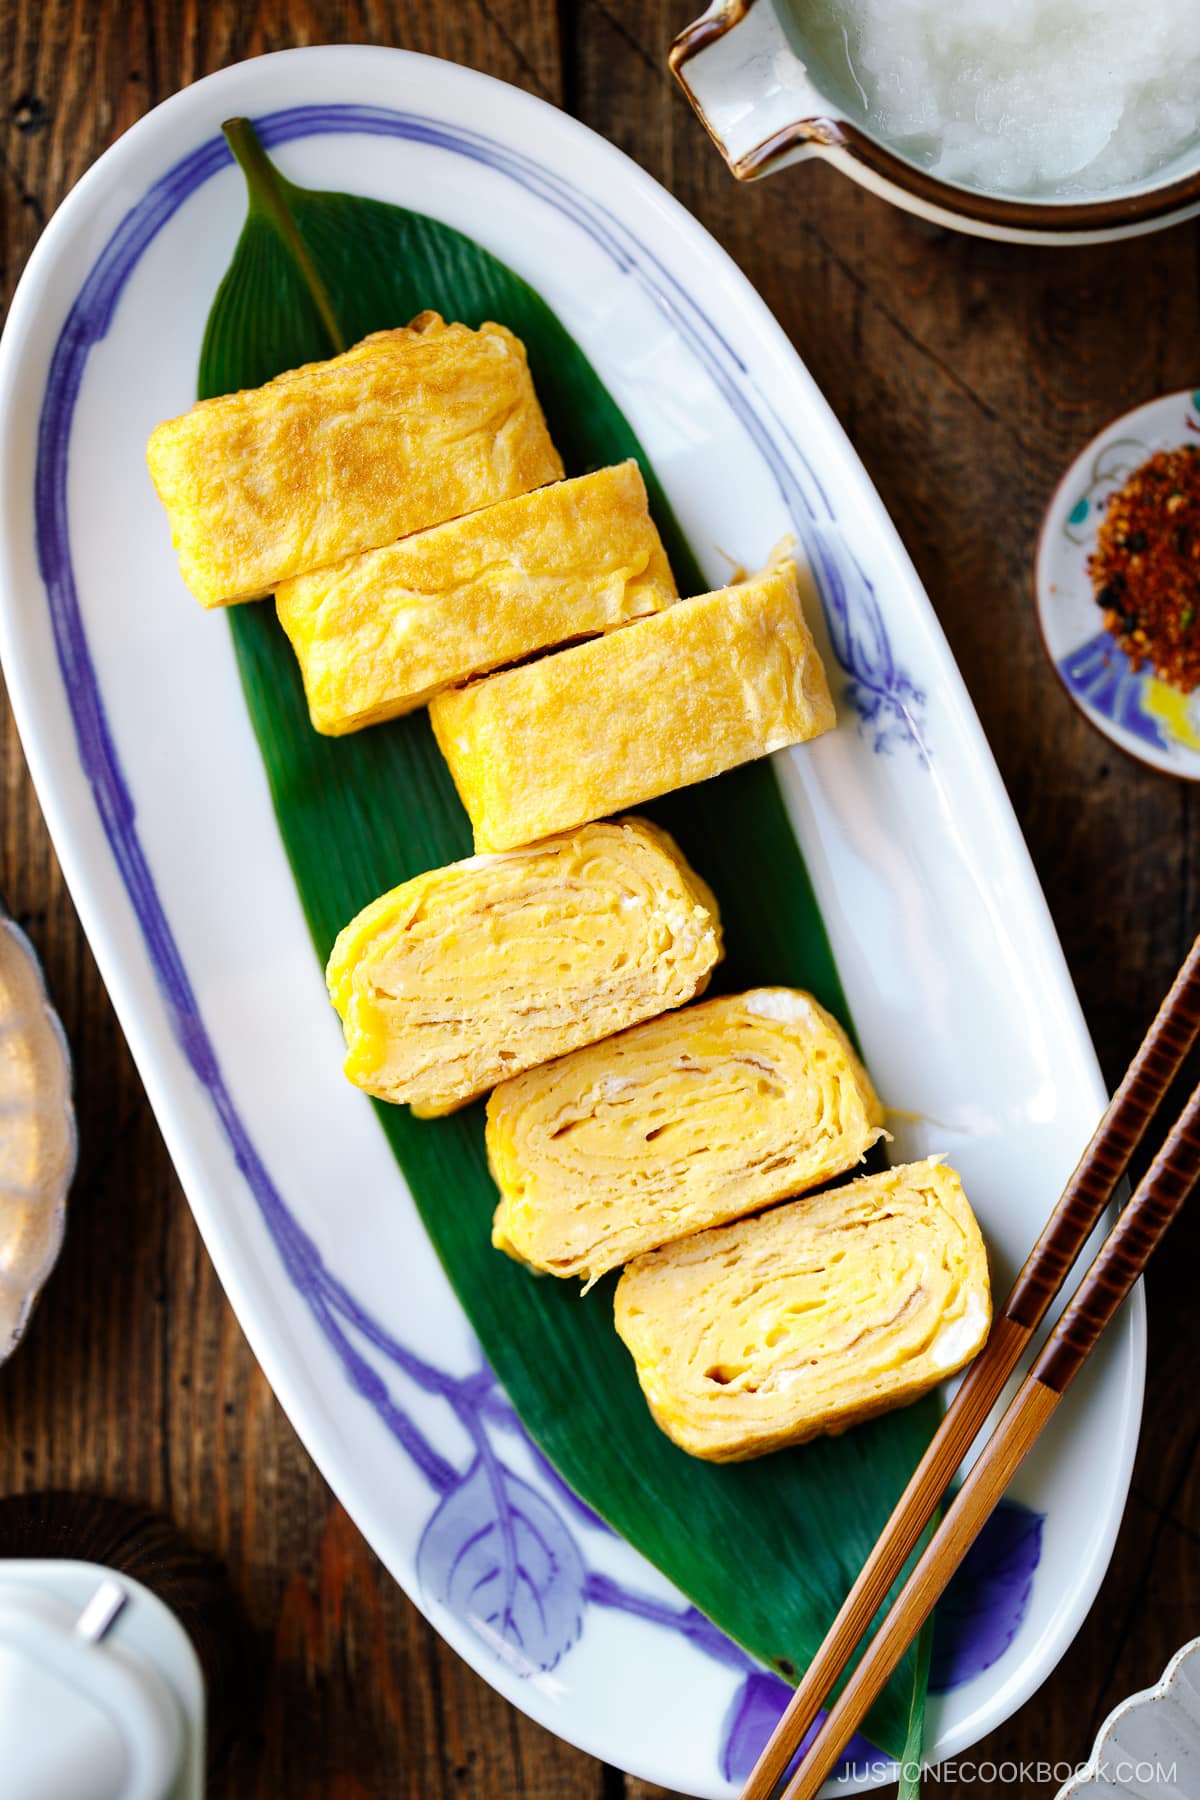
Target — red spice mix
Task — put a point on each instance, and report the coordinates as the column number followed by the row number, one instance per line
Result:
column 1146, row 566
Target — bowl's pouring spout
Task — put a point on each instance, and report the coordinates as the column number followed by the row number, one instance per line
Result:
column 743, row 68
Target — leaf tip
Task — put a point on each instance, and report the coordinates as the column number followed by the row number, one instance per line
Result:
column 273, row 198
column 240, row 135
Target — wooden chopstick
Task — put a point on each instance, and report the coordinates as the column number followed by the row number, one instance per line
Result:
column 1116, row 1267
column 1084, row 1199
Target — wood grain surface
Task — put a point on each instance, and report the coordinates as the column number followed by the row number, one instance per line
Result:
column 967, row 375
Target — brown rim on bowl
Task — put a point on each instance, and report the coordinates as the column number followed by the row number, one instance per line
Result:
column 705, row 31
column 984, row 209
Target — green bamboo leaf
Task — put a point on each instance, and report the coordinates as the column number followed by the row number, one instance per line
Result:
column 766, row 1549
column 909, row 1785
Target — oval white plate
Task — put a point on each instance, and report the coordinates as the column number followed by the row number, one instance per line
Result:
column 129, row 707
column 1144, row 716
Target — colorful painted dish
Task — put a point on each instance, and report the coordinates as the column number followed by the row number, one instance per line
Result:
column 965, row 1013
column 1143, row 715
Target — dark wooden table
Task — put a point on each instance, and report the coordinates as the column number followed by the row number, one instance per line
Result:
column 967, row 374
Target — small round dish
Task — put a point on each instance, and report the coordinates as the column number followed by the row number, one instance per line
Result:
column 1146, row 717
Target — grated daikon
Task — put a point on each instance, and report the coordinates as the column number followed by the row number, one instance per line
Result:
column 1040, row 97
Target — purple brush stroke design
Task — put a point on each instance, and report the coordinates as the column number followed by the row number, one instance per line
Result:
column 496, row 1554
column 982, row 1609
column 755, row 1711
column 484, row 1500
column 687, row 1620
column 1099, row 672
column 975, row 1623
column 758, row 1703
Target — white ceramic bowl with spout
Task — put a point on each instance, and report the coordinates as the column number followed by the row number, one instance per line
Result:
column 766, row 104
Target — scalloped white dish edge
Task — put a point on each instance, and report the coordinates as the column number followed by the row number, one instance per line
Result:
column 28, row 1281
column 1139, row 1747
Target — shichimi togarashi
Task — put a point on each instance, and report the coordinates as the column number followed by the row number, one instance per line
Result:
column 1146, row 566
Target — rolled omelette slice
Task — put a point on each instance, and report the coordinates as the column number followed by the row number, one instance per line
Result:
column 378, row 634
column 809, row 1318
column 667, row 701
column 408, row 428
column 470, row 973
column 674, row 1126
